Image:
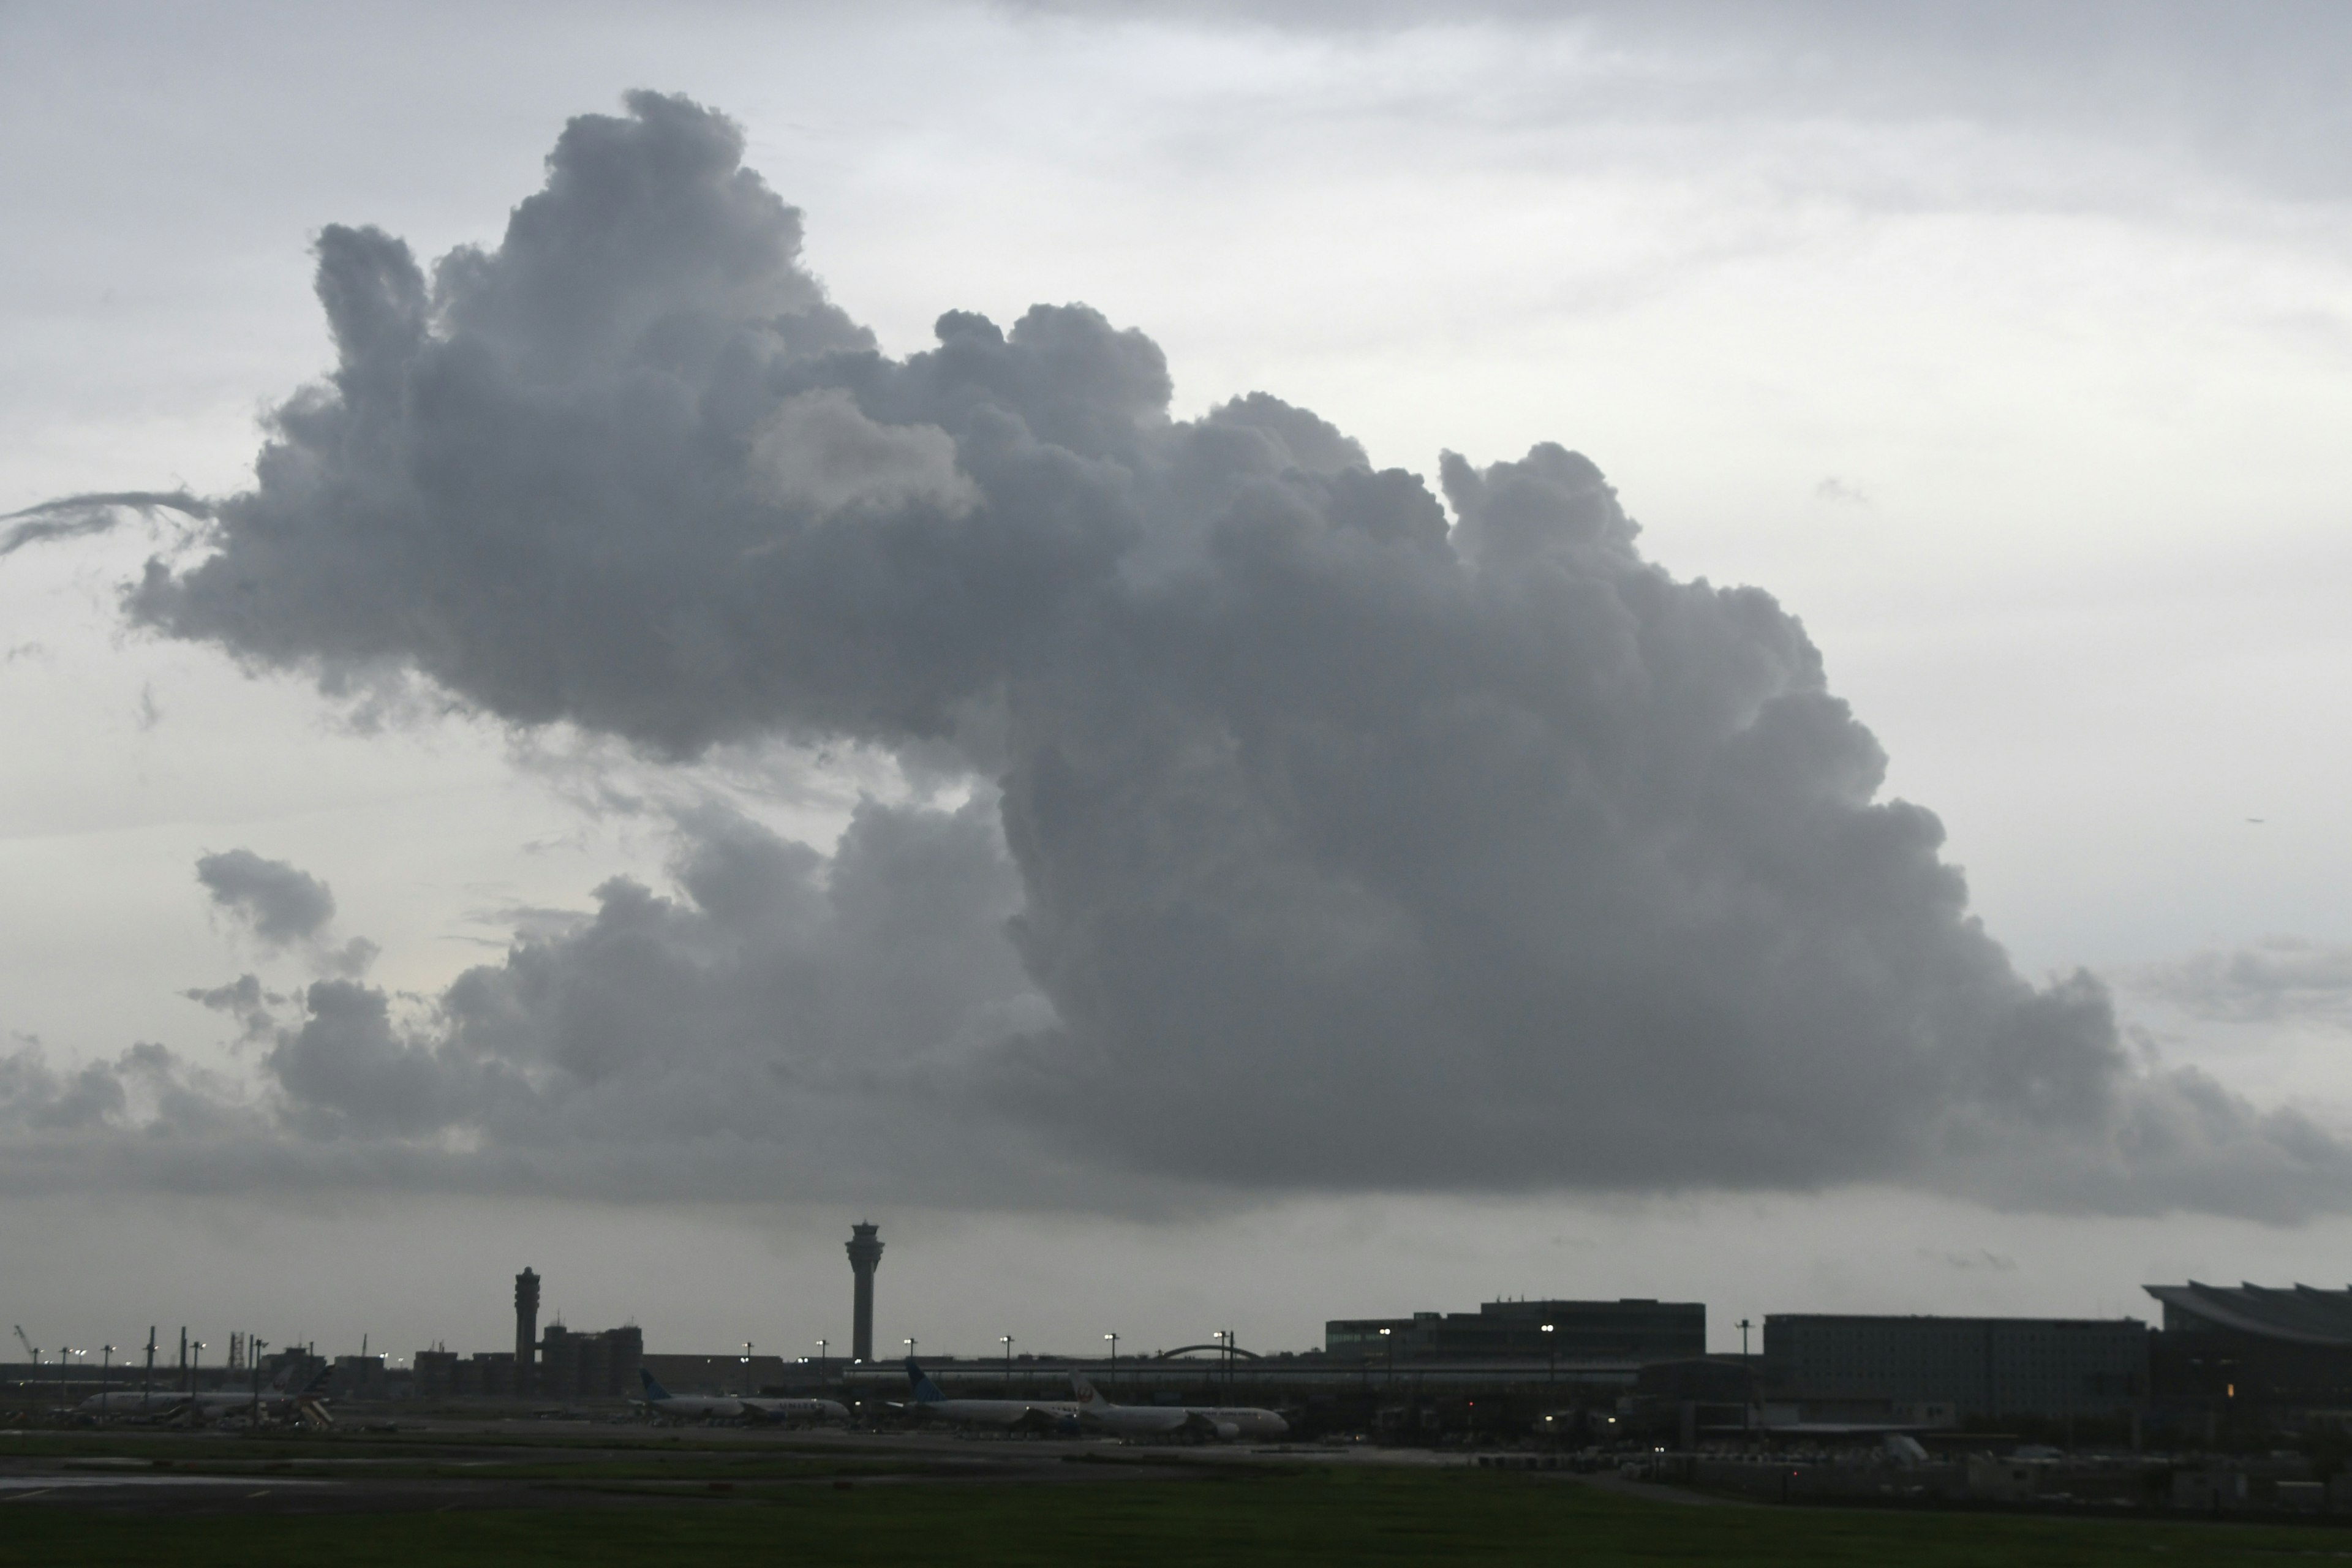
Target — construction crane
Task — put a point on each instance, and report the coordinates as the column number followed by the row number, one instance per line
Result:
column 31, row 1349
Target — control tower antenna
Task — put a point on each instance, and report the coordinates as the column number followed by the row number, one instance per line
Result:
column 864, row 1256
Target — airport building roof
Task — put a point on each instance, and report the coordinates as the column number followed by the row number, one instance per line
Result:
column 2298, row 1314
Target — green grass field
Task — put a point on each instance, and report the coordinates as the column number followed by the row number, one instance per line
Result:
column 1307, row 1516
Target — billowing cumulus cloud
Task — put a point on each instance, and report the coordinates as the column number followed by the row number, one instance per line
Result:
column 1326, row 833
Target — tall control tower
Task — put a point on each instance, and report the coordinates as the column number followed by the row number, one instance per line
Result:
column 864, row 1256
column 526, row 1328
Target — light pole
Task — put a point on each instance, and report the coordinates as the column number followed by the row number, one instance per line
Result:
column 744, row 1360
column 1747, row 1379
column 1008, row 1365
column 1388, row 1351
column 253, row 1347
column 106, row 1367
column 196, row 1366
column 820, row 1365
column 1551, row 1354
column 910, row 1344
column 1114, row 1357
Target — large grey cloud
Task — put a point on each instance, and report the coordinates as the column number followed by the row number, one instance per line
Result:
column 1338, row 842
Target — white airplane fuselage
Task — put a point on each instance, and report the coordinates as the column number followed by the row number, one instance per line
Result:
column 1005, row 1413
column 1225, row 1422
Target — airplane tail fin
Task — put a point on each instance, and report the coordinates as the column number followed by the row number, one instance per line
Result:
column 654, row 1390
column 1087, row 1396
column 926, row 1391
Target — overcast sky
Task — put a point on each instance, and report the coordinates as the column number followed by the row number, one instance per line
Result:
column 684, row 746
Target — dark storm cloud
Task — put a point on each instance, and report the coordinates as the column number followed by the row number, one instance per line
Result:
column 280, row 903
column 1325, row 841
column 782, row 1023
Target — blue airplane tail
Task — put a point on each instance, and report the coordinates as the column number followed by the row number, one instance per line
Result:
column 654, row 1390
column 926, row 1391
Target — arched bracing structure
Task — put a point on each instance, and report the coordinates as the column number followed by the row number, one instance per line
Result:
column 1212, row 1350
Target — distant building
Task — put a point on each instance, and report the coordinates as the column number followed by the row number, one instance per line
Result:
column 489, row 1375
column 1633, row 1329
column 602, row 1365
column 356, row 1377
column 436, row 1374
column 1982, row 1367
column 2253, row 1348
column 570, row 1365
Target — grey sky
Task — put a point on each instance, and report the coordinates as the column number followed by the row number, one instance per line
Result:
column 2067, row 312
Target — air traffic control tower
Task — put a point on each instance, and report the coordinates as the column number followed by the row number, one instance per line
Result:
column 864, row 1256
column 526, row 1328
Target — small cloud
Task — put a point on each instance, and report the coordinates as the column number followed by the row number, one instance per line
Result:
column 280, row 902
column 242, row 999
column 2280, row 979
column 1993, row 1262
column 1837, row 492
column 239, row 995
column 527, row 923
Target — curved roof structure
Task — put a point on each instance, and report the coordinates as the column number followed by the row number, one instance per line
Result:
column 2297, row 1315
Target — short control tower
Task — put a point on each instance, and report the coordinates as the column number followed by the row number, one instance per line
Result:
column 864, row 1256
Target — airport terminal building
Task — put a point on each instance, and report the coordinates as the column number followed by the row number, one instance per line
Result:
column 1970, row 1367
column 2253, row 1351
column 1634, row 1330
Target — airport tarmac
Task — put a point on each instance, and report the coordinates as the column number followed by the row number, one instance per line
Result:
column 453, row 1464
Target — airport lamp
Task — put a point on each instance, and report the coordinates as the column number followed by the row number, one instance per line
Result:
column 1552, row 1352
column 1008, row 1365
column 1114, row 1355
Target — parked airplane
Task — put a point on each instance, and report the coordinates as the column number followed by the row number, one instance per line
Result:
column 213, row 1403
column 1223, row 1423
column 795, row 1409
column 1036, row 1414
column 661, row 1402
column 671, row 1406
